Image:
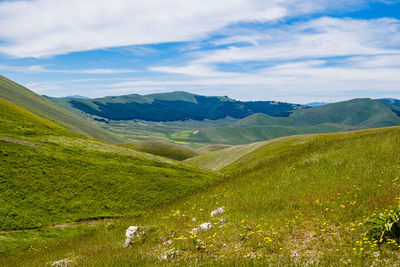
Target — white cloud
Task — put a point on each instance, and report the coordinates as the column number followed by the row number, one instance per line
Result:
column 41, row 69
column 299, row 82
column 202, row 70
column 327, row 57
column 42, row 28
column 323, row 37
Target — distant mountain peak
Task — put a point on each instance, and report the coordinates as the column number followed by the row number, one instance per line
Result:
column 78, row 96
column 316, row 104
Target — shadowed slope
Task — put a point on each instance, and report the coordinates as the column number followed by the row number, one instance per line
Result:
column 162, row 148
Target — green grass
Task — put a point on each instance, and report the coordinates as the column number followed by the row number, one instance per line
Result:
column 162, row 148
column 21, row 96
column 219, row 159
column 49, row 175
column 292, row 201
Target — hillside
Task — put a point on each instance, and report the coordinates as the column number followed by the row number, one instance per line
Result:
column 342, row 116
column 23, row 97
column 360, row 113
column 175, row 106
column 292, row 201
column 217, row 160
column 162, row 148
column 50, row 175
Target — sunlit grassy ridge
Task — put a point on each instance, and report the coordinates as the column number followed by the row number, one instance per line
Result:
column 296, row 201
column 219, row 159
column 49, row 175
column 21, row 96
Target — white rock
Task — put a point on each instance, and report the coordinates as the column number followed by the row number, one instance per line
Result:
column 61, row 263
column 168, row 255
column 217, row 211
column 205, row 226
column 130, row 232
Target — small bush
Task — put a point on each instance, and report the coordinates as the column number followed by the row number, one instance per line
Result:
column 385, row 226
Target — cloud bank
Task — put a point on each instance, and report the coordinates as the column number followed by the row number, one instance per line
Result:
column 43, row 28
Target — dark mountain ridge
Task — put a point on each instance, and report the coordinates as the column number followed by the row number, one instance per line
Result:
column 174, row 106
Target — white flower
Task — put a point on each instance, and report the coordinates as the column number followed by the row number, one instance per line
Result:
column 205, row 226
column 217, row 211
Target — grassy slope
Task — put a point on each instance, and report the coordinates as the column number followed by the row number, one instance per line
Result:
column 219, row 159
column 342, row 116
column 49, row 174
column 294, row 201
column 162, row 148
column 19, row 95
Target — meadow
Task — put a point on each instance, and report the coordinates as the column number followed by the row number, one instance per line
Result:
column 162, row 148
column 302, row 200
column 51, row 175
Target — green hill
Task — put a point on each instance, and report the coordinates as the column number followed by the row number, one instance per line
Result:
column 162, row 148
column 342, row 116
column 361, row 113
column 295, row 201
column 21, row 96
column 175, row 106
column 49, row 174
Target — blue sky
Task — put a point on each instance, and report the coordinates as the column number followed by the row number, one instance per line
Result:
column 288, row 50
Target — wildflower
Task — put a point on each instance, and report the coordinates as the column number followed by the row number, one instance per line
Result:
column 205, row 226
column 217, row 211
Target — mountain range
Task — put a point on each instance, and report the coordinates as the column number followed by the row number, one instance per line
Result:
column 174, row 106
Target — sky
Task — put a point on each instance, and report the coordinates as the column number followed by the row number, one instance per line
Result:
column 297, row 51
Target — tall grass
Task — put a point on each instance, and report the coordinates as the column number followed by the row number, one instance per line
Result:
column 296, row 201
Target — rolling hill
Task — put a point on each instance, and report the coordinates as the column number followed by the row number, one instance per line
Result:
column 342, row 116
column 218, row 160
column 175, row 106
column 49, row 175
column 162, row 148
column 23, row 97
column 293, row 201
